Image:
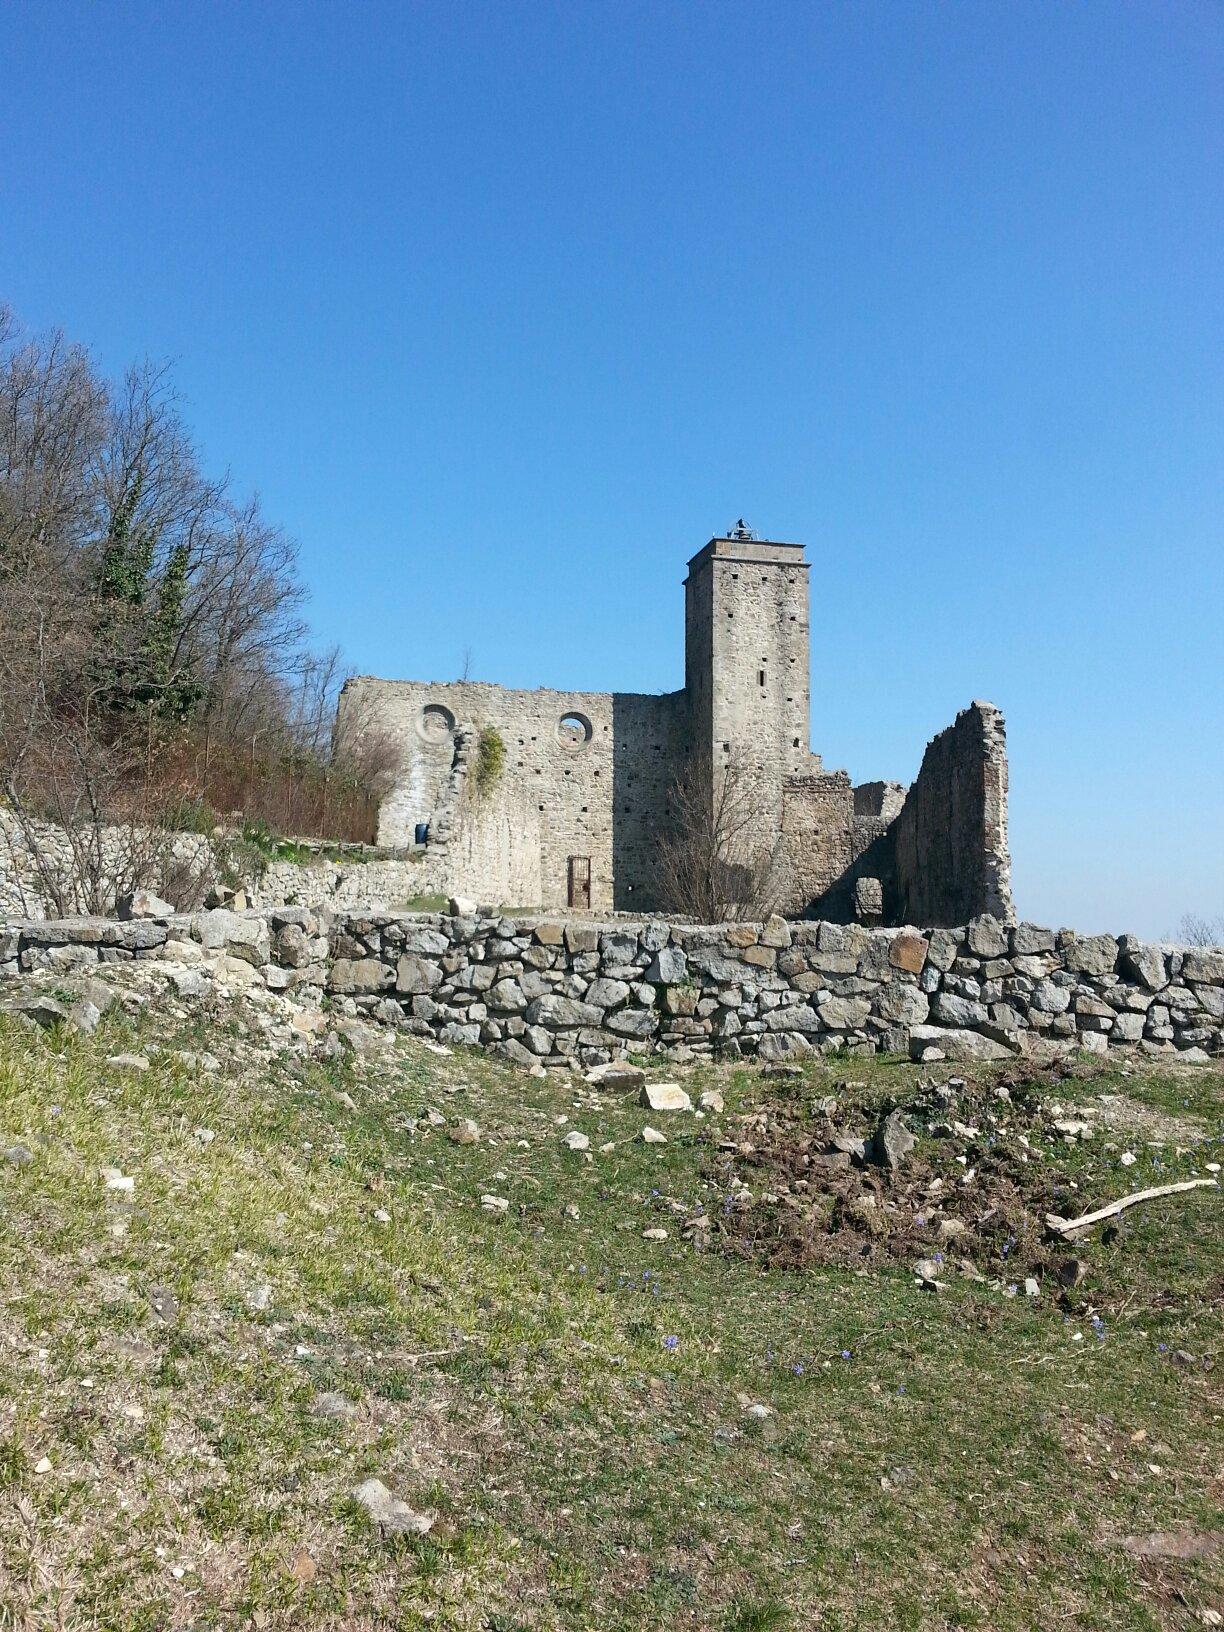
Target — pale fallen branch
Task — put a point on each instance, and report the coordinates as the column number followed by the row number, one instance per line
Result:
column 1068, row 1226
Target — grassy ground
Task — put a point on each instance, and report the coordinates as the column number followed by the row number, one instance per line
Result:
column 567, row 1396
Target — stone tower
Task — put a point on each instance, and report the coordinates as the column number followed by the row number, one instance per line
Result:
column 746, row 661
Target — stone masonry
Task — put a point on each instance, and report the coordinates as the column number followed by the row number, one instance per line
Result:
column 573, row 818
column 552, row 991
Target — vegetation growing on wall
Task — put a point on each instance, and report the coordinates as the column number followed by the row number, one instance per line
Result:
column 490, row 758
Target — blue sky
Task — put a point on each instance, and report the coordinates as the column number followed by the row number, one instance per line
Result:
column 504, row 309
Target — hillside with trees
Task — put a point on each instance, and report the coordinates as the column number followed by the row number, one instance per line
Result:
column 155, row 664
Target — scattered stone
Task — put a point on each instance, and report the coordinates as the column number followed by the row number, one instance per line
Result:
column 849, row 1144
column 93, row 1003
column 391, row 1515
column 893, row 1142
column 43, row 1465
column 616, row 1076
column 143, row 904
column 652, row 1136
column 758, row 1412
column 163, row 1303
column 955, row 1045
column 44, row 1010
column 332, row 1404
column 665, row 1096
column 114, row 1179
column 655, row 1234
column 1032, row 1286
column 465, row 1132
column 1183, row 1544
column 191, row 982
column 711, row 1100
column 576, row 1141
column 18, row 1155
column 494, row 1204
column 128, row 1062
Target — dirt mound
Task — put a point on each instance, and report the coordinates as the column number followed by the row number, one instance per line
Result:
column 829, row 1181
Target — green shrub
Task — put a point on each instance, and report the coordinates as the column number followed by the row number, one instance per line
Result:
column 490, row 758
column 192, row 815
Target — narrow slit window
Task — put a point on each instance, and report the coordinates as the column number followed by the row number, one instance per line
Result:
column 760, row 677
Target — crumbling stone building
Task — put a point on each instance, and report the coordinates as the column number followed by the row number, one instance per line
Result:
column 557, row 798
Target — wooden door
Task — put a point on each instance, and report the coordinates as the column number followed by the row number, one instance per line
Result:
column 580, row 882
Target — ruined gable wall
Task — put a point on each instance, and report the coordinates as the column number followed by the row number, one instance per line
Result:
column 949, row 842
column 650, row 738
column 817, row 838
column 556, row 796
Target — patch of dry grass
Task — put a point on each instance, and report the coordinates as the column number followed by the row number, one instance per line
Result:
column 566, row 1396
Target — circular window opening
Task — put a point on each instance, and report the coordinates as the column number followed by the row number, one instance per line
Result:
column 437, row 722
column 574, row 730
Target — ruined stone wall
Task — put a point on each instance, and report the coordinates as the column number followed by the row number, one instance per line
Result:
column 817, row 837
column 385, row 883
column 595, row 788
column 949, row 842
column 537, row 989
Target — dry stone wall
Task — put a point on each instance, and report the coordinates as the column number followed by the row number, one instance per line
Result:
column 543, row 990
column 115, row 853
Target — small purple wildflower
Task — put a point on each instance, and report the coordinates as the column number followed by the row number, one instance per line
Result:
column 845, row 1354
column 671, row 1344
column 920, row 1221
column 798, row 1368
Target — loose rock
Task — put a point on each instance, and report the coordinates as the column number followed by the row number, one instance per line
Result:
column 389, row 1513
column 665, row 1096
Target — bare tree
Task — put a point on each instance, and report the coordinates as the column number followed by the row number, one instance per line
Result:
column 152, row 648
column 1198, row 931
column 711, row 862
column 82, row 819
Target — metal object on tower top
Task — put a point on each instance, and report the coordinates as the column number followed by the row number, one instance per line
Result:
column 741, row 530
